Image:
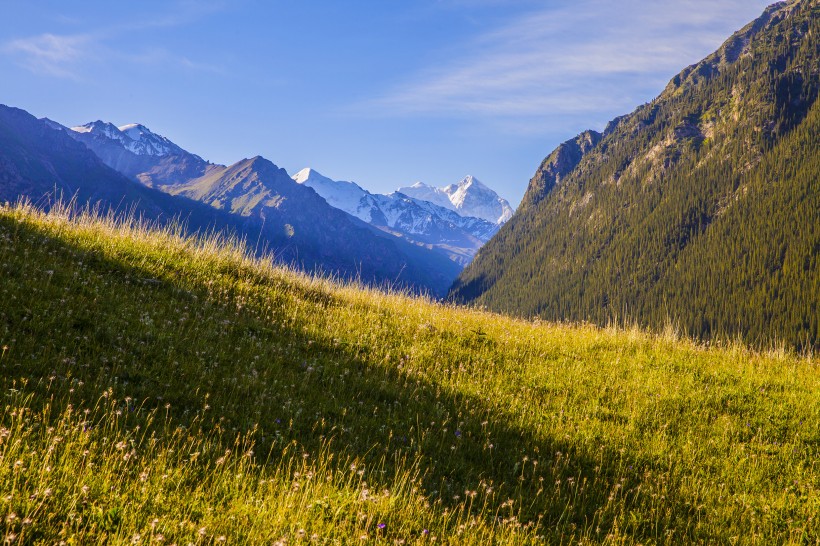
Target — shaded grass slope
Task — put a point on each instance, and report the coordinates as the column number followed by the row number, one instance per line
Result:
column 163, row 389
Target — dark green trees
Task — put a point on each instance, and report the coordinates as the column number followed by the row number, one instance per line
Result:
column 701, row 208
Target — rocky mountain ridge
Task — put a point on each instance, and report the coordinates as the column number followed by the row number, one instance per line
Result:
column 157, row 162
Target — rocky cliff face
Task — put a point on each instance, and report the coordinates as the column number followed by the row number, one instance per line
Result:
column 558, row 164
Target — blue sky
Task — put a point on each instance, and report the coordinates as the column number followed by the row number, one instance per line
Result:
column 381, row 92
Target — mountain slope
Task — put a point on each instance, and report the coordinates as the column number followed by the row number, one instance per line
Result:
column 469, row 198
column 140, row 154
column 167, row 391
column 313, row 234
column 701, row 207
column 268, row 206
column 40, row 159
column 422, row 222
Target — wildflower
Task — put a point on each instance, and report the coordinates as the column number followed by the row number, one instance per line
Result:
column 381, row 526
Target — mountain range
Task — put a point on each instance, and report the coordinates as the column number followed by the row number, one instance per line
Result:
column 469, row 198
column 132, row 170
column 403, row 242
column 157, row 162
column 700, row 209
column 458, row 235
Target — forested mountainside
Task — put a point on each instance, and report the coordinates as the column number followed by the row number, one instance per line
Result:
column 700, row 208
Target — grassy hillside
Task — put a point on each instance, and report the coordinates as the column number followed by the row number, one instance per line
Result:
column 161, row 390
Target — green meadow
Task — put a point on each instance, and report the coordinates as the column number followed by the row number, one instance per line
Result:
column 158, row 389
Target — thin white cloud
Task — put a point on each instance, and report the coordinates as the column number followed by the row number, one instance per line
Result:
column 67, row 55
column 593, row 56
column 51, row 54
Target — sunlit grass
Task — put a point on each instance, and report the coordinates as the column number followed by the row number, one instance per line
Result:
column 167, row 389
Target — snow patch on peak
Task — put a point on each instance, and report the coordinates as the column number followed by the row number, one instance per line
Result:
column 419, row 220
column 421, row 191
column 134, row 137
column 470, row 181
column 140, row 133
column 136, row 131
column 470, row 197
column 98, row 127
column 347, row 196
column 308, row 174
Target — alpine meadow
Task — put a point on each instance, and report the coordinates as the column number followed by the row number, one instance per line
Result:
column 194, row 353
column 158, row 388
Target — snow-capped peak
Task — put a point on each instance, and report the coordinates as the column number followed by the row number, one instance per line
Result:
column 469, row 198
column 311, row 177
column 307, row 174
column 348, row 196
column 136, row 131
column 418, row 220
column 134, row 137
column 101, row 128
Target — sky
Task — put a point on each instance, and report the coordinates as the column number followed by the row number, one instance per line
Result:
column 381, row 92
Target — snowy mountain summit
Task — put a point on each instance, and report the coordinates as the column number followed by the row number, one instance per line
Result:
column 434, row 221
column 135, row 138
column 347, row 196
column 469, row 198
